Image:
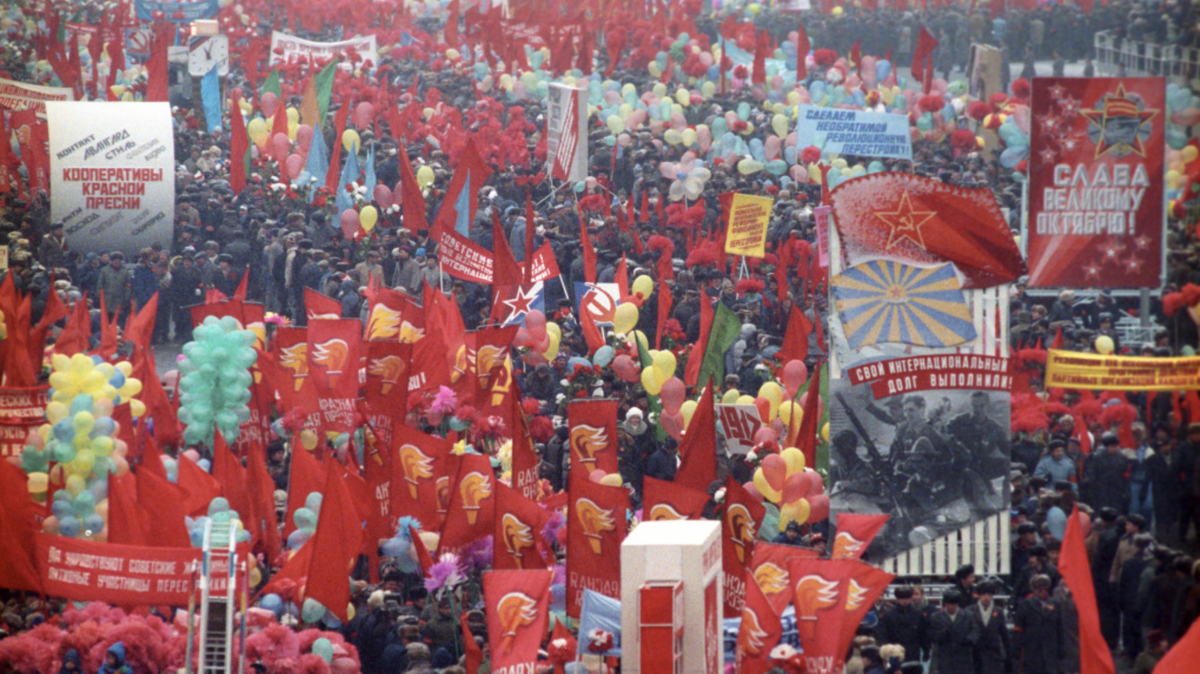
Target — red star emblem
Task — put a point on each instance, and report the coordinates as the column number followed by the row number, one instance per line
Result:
column 520, row 304
column 1115, row 108
column 1057, row 91
column 905, row 223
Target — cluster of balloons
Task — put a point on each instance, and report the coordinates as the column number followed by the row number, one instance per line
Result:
column 607, row 479
column 400, row 547
column 305, row 520
column 542, row 338
column 1178, row 162
column 798, row 491
column 215, row 386
column 1184, row 109
column 80, row 515
column 219, row 512
column 79, row 374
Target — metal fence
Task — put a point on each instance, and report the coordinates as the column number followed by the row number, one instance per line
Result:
column 1144, row 58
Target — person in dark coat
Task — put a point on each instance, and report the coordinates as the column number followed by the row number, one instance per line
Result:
column 1039, row 628
column 662, row 464
column 954, row 634
column 1128, row 585
column 1106, row 476
column 904, row 624
column 71, row 662
column 964, row 584
column 992, row 652
column 1108, row 540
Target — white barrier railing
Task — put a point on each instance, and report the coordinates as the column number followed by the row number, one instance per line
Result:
column 1145, row 58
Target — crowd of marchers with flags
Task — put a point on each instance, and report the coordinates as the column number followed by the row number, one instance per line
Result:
column 421, row 371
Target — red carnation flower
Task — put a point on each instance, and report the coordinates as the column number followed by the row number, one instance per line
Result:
column 977, row 110
column 810, row 154
column 1021, row 88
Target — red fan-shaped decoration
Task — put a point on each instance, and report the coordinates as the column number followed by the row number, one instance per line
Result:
column 1120, row 413
column 1191, row 294
column 810, row 154
column 977, row 110
column 661, row 244
column 1057, row 409
column 997, row 100
column 593, row 203
column 1030, row 420
column 1172, row 303
column 931, row 103
column 824, row 57
column 1021, row 88
column 749, row 285
column 1088, row 409
column 963, row 140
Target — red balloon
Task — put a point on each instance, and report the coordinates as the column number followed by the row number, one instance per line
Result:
column 778, row 427
column 765, row 435
column 597, row 475
column 626, row 369
column 815, row 481
column 1085, row 524
column 363, row 114
column 672, row 395
column 673, row 425
column 267, row 104
column 541, row 339
column 280, row 145
column 795, row 373
column 775, row 470
column 795, row 487
column 523, row 338
column 534, row 320
column 383, row 196
column 749, row 487
column 818, row 508
column 764, row 407
column 349, row 222
column 294, row 165
column 304, row 135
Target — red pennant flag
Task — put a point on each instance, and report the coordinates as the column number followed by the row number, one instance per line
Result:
column 530, row 230
column 161, row 501
column 595, row 528
column 819, row 597
column 305, row 476
column 855, row 533
column 333, row 362
column 593, row 439
column 199, row 487
column 698, row 449
column 318, row 306
column 662, row 500
column 54, row 312
column 229, row 472
column 864, row 588
column 335, row 545
column 644, row 215
column 505, row 271
column 589, row 253
column 261, row 488
column 411, row 197
column 739, row 525
column 334, row 173
column 762, row 47
column 518, row 613
column 622, row 277
column 76, row 335
column 126, row 521
column 1184, row 655
column 518, row 529
column 759, row 631
column 394, row 316
column 802, row 49
column 139, row 328
column 856, row 56
column 692, row 372
column 472, row 653
column 665, row 302
column 17, row 570
column 591, row 332
column 525, row 460
column 157, row 82
column 795, row 340
column 926, row 43
column 1094, row 655
column 811, row 422
column 239, row 148
column 471, row 515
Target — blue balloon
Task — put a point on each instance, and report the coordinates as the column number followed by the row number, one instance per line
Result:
column 875, row 166
column 272, row 602
column 93, row 523
column 603, row 356
column 1013, row 156
column 817, row 91
column 103, row 426
column 205, row 465
column 789, row 154
column 394, row 547
column 743, row 111
column 82, row 403
column 64, row 430
column 61, row 508
column 1056, row 522
column 756, row 149
column 298, row 538
column 883, row 68
column 69, row 526
column 581, row 362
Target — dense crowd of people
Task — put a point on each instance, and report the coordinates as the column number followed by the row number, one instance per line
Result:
column 1137, row 478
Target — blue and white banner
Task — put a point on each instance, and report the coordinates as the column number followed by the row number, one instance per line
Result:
column 854, row 132
column 599, row 617
column 178, row 12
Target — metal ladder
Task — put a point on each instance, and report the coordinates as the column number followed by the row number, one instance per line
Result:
column 218, row 584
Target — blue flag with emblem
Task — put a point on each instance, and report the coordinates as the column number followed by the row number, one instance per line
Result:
column 886, row 301
column 350, row 174
column 369, row 179
column 210, row 95
column 317, row 163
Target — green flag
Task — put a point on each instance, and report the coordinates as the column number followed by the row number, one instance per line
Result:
column 725, row 330
column 325, row 87
column 271, row 84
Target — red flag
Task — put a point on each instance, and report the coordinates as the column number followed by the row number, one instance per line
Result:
column 518, row 612
column 762, row 46
column 76, row 335
column 318, row 306
column 819, row 597
column 589, row 253
column 239, row 293
column 622, row 278
column 692, row 372
column 593, row 425
column 1184, row 655
column 239, row 148
column 199, row 487
column 19, row 369
column 665, row 301
column 855, row 533
column 17, row 570
column 472, row 504
column 919, row 220
column 229, row 472
column 505, row 271
column 926, row 43
column 530, row 227
column 305, row 476
column 333, row 363
column 739, row 525
column 126, row 521
column 810, row 423
column 518, row 530
column 595, row 528
column 54, row 312
column 335, row 545
column 525, row 459
column 759, row 631
column 418, row 470
column 795, row 340
column 386, row 391
column 108, row 330
column 393, row 316
column 471, row 167
column 1094, row 656
column 157, row 81
column 769, row 569
column 662, row 500
column 334, row 173
column 411, row 197
column 644, row 214
column 865, row 586
column 139, row 328
column 161, row 501
column 472, row 653
column 591, row 332
column 856, row 56
column 262, row 524
column 450, row 31
column 698, row 449
column 802, row 49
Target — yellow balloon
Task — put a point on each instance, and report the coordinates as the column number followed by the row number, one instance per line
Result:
column 424, row 177
column 745, row 400
column 640, row 337
column 664, row 364
column 1104, row 345
column 798, row 510
column 551, row 351
column 612, row 480
column 553, row 329
column 615, row 124
column 687, row 409
column 137, row 408
column 772, row 392
column 350, row 140
column 642, row 284
column 367, row 217
column 650, row 381
column 791, row 412
column 38, row 483
column 124, row 367
column 293, row 115
column 825, row 432
column 257, row 129
column 625, row 318
column 75, row 484
column 794, row 458
column 56, row 412
column 672, row 137
column 1189, row 153
column 730, row 397
column 308, row 439
column 764, row 488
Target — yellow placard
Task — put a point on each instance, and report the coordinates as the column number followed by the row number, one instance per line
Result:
column 747, row 231
column 1067, row 369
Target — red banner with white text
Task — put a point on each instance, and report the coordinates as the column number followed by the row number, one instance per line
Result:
column 117, row 574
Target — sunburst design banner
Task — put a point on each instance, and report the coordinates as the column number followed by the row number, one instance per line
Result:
column 884, row 301
column 1096, row 182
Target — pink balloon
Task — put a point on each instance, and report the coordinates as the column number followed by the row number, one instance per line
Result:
column 626, row 369
column 795, row 373
column 267, row 104
column 764, row 435
column 672, row 395
column 523, row 338
column 541, row 339
column 1188, row 117
column 704, row 138
column 533, row 358
column 771, row 148
column 383, row 196
column 777, row 426
column 294, row 165
column 597, row 475
column 815, row 481
column 280, row 145
column 749, row 486
column 363, row 114
column 304, row 134
column 764, row 407
column 795, row 487
column 349, row 222
column 818, row 508
column 535, row 320
column 1085, row 524
column 775, row 470
column 673, row 425
column 192, row 454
